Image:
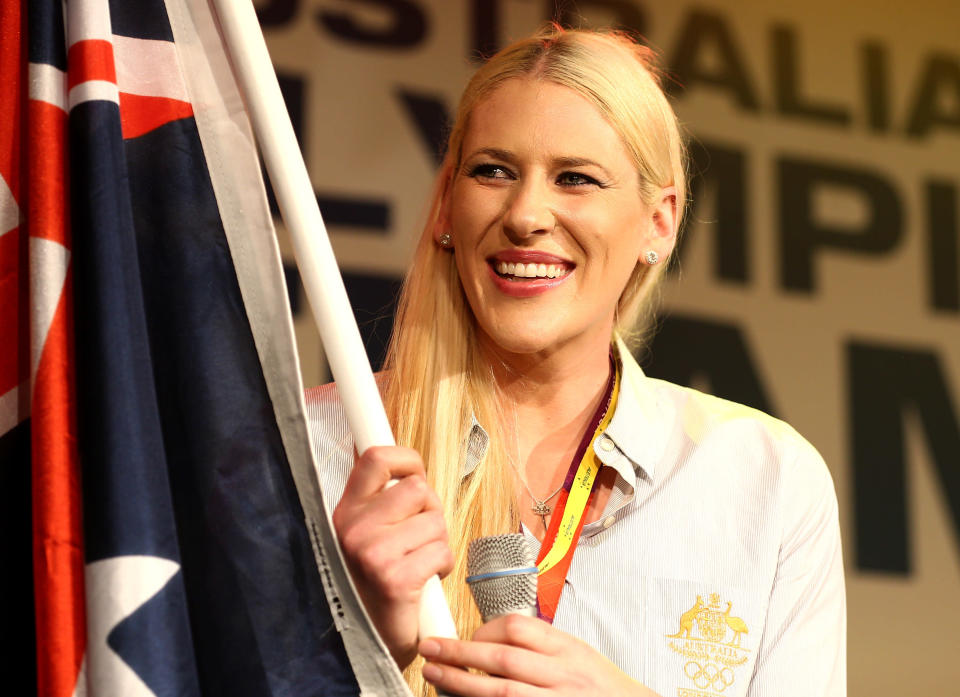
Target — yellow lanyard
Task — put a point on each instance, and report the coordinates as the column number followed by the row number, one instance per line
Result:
column 565, row 529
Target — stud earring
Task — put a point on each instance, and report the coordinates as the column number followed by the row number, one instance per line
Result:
column 445, row 240
column 651, row 257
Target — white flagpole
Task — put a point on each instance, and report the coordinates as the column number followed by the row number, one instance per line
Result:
column 318, row 267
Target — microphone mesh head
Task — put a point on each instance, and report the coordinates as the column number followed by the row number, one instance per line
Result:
column 516, row 593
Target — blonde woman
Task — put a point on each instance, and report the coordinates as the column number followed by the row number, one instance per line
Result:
column 699, row 551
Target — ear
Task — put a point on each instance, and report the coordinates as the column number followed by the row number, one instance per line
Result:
column 663, row 229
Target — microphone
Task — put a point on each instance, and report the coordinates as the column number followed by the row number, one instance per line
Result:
column 502, row 574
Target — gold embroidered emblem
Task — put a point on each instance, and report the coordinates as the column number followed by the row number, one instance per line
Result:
column 710, row 638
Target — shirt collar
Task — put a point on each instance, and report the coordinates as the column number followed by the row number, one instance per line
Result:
column 638, row 428
column 640, row 423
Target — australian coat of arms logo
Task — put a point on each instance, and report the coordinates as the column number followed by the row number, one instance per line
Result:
column 712, row 639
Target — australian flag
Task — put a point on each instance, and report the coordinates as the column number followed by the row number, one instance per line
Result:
column 148, row 381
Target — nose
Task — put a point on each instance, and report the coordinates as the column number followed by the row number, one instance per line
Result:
column 529, row 211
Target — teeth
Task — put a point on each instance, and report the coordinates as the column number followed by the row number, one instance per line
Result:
column 505, row 268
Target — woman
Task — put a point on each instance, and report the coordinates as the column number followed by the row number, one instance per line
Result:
column 708, row 560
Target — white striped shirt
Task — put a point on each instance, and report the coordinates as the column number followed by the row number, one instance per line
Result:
column 716, row 568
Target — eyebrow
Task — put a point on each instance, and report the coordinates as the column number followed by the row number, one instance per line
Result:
column 577, row 162
column 495, row 153
column 508, row 156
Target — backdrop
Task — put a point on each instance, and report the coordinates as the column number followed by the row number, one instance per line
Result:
column 818, row 275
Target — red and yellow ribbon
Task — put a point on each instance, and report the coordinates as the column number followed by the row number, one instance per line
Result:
column 560, row 543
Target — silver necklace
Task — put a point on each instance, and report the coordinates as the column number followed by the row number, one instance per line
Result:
column 539, row 506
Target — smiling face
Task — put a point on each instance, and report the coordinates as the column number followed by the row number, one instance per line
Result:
column 547, row 219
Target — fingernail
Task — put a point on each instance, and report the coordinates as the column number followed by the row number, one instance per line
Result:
column 428, row 648
column 431, row 672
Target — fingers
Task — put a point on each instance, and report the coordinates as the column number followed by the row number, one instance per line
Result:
column 521, row 656
column 524, row 657
column 523, row 651
column 457, row 681
column 378, row 465
column 498, row 660
column 367, row 505
column 523, row 632
column 378, row 527
column 394, row 539
column 397, row 559
column 408, row 497
column 431, row 559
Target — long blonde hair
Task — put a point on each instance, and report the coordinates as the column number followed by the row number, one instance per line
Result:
column 438, row 380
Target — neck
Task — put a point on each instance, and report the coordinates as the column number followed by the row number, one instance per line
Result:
column 550, row 384
column 548, row 400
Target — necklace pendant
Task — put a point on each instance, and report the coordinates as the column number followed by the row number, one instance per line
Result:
column 541, row 508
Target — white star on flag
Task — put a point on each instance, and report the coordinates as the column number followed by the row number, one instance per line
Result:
column 116, row 588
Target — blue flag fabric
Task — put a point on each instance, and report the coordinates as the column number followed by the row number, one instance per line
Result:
column 200, row 575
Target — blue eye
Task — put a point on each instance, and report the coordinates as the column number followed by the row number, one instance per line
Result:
column 490, row 171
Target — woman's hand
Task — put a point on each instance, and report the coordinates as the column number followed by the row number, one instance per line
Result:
column 394, row 539
column 523, row 656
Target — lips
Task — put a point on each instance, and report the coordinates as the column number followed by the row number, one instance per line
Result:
column 508, row 269
column 525, row 273
column 521, row 265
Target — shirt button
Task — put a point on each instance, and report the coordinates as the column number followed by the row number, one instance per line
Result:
column 608, row 521
column 606, row 443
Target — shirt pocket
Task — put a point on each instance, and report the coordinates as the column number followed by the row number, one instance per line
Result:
column 702, row 637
